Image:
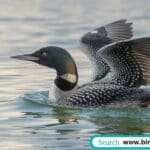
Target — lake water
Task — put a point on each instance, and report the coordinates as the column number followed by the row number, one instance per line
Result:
column 27, row 121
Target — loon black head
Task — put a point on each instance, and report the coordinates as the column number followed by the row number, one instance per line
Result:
column 58, row 59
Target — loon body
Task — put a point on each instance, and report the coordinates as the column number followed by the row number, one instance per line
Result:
column 92, row 41
column 130, row 63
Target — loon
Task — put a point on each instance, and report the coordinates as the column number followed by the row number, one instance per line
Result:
column 92, row 41
column 129, row 63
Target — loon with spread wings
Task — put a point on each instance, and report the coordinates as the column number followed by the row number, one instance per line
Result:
column 128, row 60
column 92, row 41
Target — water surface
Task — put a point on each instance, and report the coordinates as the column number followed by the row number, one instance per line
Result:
column 26, row 119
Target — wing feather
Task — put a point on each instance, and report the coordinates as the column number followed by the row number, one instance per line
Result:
column 92, row 41
column 129, row 60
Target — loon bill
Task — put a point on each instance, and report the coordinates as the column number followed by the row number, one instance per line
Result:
column 96, row 94
column 92, row 41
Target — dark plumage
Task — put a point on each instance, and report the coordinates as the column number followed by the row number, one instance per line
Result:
column 96, row 95
column 129, row 61
column 93, row 94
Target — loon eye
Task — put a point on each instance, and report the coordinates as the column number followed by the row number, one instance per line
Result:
column 44, row 53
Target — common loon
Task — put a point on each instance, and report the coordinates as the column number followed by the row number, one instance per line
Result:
column 92, row 41
column 95, row 94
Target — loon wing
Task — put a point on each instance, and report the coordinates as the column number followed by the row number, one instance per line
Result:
column 92, row 41
column 129, row 61
column 115, row 31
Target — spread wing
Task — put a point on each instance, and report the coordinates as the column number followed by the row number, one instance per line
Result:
column 129, row 61
column 115, row 31
column 119, row 30
column 92, row 41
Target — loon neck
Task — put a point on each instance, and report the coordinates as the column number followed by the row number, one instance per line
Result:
column 66, row 82
column 67, row 75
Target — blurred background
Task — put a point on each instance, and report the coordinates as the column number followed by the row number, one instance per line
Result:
column 26, row 118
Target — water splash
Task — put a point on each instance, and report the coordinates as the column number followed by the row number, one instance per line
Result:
column 37, row 97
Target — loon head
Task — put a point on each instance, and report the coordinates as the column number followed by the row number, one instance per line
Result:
column 58, row 59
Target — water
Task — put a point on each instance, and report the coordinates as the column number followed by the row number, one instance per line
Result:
column 26, row 118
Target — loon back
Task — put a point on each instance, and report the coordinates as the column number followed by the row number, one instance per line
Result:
column 129, row 61
column 106, row 95
column 92, row 41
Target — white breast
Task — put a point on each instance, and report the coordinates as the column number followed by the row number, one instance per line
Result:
column 55, row 93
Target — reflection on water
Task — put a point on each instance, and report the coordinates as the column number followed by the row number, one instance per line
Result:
column 27, row 118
